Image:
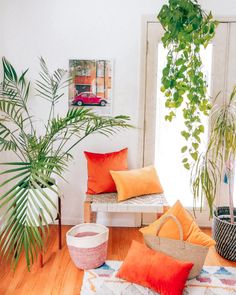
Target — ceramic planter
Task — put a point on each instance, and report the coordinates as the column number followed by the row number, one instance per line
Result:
column 53, row 197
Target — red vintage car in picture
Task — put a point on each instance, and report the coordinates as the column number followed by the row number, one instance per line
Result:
column 88, row 98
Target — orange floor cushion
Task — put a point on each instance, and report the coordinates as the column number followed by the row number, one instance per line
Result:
column 154, row 270
column 191, row 232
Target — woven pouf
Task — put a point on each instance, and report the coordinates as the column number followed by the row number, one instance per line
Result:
column 224, row 233
column 87, row 244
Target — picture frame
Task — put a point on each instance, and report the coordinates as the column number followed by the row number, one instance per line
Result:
column 92, row 84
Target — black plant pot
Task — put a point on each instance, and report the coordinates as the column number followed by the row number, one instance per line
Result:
column 224, row 233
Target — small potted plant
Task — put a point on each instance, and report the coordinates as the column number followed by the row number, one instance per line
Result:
column 29, row 200
column 215, row 166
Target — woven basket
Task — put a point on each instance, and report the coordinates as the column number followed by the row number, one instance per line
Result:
column 178, row 249
column 224, row 233
column 87, row 244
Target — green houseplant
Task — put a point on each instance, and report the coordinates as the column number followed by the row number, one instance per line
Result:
column 39, row 158
column 187, row 29
column 217, row 164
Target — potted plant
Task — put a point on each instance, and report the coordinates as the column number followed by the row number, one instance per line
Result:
column 29, row 200
column 213, row 167
column 187, row 29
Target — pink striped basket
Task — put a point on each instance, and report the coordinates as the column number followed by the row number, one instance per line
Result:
column 87, row 244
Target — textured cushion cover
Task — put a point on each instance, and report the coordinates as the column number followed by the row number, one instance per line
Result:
column 198, row 237
column 136, row 182
column 154, row 270
column 192, row 233
column 99, row 166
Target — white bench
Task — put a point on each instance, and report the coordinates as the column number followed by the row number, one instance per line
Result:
column 155, row 203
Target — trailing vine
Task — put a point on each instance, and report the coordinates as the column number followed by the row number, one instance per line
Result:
column 187, row 29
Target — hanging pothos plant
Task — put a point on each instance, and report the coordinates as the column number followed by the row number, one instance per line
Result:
column 187, row 29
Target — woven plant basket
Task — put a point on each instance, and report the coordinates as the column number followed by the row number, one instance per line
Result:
column 87, row 244
column 178, row 249
column 224, row 233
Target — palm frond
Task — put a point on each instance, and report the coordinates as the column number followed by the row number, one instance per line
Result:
column 205, row 176
column 51, row 84
column 13, row 87
column 7, row 140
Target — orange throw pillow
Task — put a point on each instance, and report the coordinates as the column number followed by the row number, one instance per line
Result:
column 99, row 166
column 191, row 232
column 197, row 236
column 155, row 270
column 136, row 182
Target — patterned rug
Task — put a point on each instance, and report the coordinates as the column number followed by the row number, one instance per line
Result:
column 213, row 280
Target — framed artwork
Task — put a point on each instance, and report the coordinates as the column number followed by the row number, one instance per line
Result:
column 92, row 85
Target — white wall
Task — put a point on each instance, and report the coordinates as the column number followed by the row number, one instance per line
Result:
column 59, row 30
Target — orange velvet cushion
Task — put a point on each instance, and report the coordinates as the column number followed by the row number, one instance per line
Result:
column 154, row 270
column 99, row 166
column 136, row 182
column 191, row 231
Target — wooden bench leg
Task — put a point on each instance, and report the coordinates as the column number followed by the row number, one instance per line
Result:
column 87, row 212
column 94, row 217
column 165, row 209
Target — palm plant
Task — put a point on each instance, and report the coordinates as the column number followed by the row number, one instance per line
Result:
column 39, row 158
column 217, row 162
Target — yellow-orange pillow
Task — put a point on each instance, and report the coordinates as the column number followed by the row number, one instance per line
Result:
column 136, row 182
column 196, row 236
column 191, row 231
column 99, row 166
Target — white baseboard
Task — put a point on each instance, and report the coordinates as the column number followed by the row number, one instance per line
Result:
column 109, row 219
column 119, row 219
column 71, row 221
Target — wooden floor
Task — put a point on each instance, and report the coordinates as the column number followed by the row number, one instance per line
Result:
column 59, row 275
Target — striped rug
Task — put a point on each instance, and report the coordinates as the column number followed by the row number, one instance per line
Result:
column 213, row 280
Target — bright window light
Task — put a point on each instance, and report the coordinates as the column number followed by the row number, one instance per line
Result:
column 174, row 177
column 234, row 186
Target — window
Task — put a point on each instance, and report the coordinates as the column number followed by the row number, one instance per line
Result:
column 161, row 140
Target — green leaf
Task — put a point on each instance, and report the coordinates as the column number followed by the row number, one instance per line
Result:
column 185, row 134
column 194, row 155
column 195, row 145
column 162, row 89
column 184, row 149
column 187, row 166
column 179, row 62
column 201, row 128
